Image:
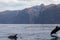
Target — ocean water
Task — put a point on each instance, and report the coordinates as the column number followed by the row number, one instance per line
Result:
column 28, row 31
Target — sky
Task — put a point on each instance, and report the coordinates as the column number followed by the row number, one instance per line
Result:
column 22, row 4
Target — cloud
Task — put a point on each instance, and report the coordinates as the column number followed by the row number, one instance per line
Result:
column 17, row 5
column 21, row 4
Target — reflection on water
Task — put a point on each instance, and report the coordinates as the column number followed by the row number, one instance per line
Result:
column 56, row 38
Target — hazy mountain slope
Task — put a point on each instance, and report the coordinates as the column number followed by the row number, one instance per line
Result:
column 29, row 15
column 51, row 15
column 42, row 14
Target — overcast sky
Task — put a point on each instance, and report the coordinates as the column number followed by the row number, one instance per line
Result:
column 21, row 4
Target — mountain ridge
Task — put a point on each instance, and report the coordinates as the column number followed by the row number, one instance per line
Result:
column 42, row 14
